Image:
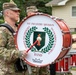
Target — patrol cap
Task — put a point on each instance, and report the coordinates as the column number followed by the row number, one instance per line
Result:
column 32, row 9
column 10, row 5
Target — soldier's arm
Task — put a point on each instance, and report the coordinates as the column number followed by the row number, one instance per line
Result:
column 6, row 54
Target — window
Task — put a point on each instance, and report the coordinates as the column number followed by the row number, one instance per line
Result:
column 74, row 11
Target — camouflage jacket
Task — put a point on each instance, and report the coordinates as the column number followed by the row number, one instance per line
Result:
column 8, row 52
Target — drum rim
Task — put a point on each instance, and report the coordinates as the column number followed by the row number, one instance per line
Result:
column 17, row 33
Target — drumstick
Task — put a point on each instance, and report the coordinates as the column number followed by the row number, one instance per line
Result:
column 32, row 45
column 38, row 40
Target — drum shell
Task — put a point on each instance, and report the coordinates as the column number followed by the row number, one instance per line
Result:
column 67, row 38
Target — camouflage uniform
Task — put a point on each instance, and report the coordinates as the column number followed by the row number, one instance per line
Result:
column 8, row 53
column 40, row 71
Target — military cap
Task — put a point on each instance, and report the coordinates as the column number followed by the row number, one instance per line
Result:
column 10, row 5
column 32, row 9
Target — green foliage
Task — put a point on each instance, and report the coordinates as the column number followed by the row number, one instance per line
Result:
column 1, row 2
column 1, row 21
column 73, row 32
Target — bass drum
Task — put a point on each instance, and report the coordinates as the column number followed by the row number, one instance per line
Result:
column 52, row 34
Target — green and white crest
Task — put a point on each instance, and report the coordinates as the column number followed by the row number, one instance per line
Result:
column 49, row 37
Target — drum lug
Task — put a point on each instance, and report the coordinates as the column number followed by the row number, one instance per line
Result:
column 14, row 34
column 56, row 18
column 66, row 48
column 39, row 13
column 59, row 19
column 65, row 32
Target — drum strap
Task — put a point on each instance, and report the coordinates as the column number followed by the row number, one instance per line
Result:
column 19, row 64
column 8, row 27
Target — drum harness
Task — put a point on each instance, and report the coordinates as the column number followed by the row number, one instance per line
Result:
column 19, row 65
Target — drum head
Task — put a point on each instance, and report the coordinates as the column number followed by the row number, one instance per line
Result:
column 46, row 29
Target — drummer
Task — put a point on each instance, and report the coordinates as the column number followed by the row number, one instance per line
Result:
column 31, row 10
column 36, row 70
column 8, row 53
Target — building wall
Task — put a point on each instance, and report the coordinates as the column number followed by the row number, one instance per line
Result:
column 65, row 12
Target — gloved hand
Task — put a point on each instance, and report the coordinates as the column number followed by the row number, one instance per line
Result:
column 23, row 54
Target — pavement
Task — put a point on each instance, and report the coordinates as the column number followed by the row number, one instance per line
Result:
column 73, row 72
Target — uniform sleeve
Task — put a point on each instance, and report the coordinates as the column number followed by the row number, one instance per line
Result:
column 8, row 55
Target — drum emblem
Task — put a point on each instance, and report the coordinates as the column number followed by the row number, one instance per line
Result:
column 44, row 36
column 41, row 36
